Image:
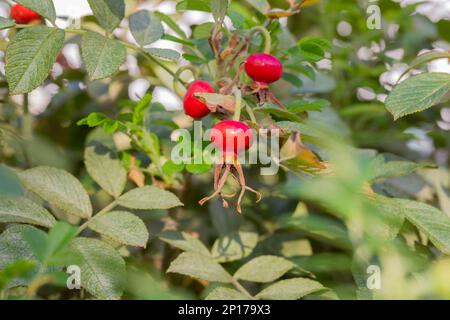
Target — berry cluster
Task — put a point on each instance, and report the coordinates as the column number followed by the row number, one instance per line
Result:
column 233, row 136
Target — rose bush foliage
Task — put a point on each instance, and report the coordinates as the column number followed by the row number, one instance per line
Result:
column 90, row 182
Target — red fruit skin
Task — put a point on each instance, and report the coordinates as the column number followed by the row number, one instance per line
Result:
column 232, row 137
column 263, row 67
column 23, row 15
column 192, row 106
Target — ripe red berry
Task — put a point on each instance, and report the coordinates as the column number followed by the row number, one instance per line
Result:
column 263, row 67
column 23, row 15
column 192, row 106
column 232, row 136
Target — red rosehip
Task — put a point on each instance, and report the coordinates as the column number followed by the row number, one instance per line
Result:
column 232, row 136
column 23, row 15
column 263, row 67
column 192, row 106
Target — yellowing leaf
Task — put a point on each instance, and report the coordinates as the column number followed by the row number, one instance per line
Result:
column 307, row 3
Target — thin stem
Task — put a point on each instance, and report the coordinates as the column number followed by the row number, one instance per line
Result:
column 250, row 113
column 76, row 31
column 238, row 286
column 126, row 44
column 265, row 34
column 148, row 56
column 177, row 78
column 246, row 41
column 27, row 119
column 37, row 283
column 238, row 107
column 102, row 212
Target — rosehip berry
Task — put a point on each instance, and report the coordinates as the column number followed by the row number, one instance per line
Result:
column 263, row 67
column 192, row 106
column 23, row 15
column 232, row 136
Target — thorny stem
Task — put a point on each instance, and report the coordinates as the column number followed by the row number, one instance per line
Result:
column 102, row 212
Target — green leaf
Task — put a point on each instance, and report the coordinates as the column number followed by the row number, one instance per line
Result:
column 223, row 293
column 264, row 269
column 52, row 248
column 262, row 6
column 185, row 42
column 306, row 129
column 313, row 48
column 417, row 93
column 307, row 105
column 389, row 169
column 102, row 268
column 292, row 289
column 171, row 168
column 184, row 241
column 203, row 31
column 15, row 209
column 234, row 246
column 430, row 221
column 102, row 56
column 304, row 69
column 145, row 27
column 17, row 269
column 105, row 168
column 198, row 168
column 59, row 237
column 321, row 228
column 103, row 137
column 199, row 266
column 37, row 240
column 322, row 43
column 171, row 23
column 141, row 108
column 167, row 54
column 44, row 7
column 292, row 79
column 6, row 23
column 219, row 9
column 194, row 59
column 284, row 114
column 59, row 188
column 389, row 217
column 30, row 57
column 9, row 182
column 109, row 13
column 93, row 119
column 199, row 5
column 149, row 197
column 14, row 247
column 121, row 226
column 215, row 99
